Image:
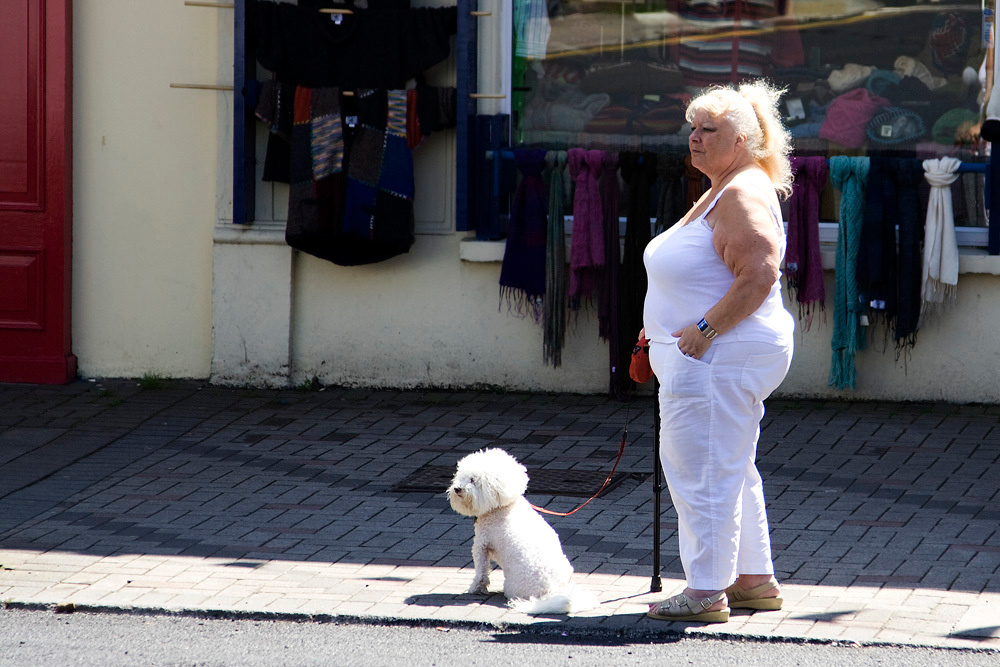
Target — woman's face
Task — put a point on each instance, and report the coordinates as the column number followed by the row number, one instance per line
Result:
column 714, row 143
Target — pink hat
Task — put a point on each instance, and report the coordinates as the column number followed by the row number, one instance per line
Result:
column 848, row 116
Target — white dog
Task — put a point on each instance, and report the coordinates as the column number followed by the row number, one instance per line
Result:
column 490, row 486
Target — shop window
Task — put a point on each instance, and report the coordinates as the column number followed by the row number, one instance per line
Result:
column 864, row 77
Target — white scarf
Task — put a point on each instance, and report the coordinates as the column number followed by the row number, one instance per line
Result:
column 940, row 271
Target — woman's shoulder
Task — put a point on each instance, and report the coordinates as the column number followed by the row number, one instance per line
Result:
column 751, row 188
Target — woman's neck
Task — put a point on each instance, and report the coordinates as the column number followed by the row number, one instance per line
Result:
column 726, row 177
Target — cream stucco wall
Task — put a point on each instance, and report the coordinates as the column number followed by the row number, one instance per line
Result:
column 164, row 283
column 144, row 187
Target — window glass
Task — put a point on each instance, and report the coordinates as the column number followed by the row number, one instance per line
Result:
column 863, row 77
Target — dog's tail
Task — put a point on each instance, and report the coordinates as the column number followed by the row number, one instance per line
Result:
column 568, row 602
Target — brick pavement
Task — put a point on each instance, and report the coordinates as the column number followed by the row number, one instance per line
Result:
column 885, row 516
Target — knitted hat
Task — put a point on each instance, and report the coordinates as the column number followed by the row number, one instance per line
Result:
column 949, row 42
column 946, row 126
column 895, row 126
column 848, row 115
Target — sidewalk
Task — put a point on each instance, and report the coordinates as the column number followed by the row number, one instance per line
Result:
column 885, row 517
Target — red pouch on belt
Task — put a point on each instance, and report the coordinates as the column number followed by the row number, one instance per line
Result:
column 640, row 370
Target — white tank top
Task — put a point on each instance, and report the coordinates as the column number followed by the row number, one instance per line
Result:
column 687, row 277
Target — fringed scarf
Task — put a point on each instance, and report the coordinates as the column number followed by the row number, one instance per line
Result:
column 522, row 275
column 876, row 271
column 586, row 253
column 639, row 171
column 803, row 266
column 889, row 279
column 670, row 206
column 908, row 174
column 554, row 315
column 940, row 274
column 849, row 175
column 607, row 293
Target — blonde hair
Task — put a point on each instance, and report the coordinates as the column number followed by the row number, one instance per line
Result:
column 753, row 110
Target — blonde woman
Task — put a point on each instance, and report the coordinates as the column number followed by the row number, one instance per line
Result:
column 721, row 342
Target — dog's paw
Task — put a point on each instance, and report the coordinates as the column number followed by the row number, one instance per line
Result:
column 479, row 588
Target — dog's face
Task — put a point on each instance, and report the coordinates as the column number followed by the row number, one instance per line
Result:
column 486, row 480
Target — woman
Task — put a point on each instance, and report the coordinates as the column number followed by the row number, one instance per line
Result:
column 721, row 342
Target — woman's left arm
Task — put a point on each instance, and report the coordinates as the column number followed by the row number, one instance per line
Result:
column 747, row 239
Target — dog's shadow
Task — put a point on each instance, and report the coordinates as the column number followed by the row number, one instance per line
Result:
column 457, row 600
column 497, row 600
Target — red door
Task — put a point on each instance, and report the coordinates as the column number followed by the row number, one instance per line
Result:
column 36, row 197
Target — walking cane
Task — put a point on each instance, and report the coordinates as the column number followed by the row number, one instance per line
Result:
column 655, row 586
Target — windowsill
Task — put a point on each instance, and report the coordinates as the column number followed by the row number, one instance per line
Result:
column 971, row 260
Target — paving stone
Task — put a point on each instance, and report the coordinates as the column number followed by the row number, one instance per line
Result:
column 891, row 498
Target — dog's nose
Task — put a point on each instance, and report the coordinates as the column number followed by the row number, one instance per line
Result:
column 457, row 490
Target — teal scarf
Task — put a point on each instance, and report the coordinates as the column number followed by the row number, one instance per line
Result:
column 850, row 176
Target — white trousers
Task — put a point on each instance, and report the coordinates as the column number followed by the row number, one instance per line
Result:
column 710, row 412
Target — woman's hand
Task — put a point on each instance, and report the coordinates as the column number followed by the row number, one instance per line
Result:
column 691, row 342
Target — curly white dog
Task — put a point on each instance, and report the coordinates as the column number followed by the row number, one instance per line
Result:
column 490, row 486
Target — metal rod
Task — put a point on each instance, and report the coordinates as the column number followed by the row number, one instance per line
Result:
column 217, row 5
column 655, row 585
column 480, row 13
column 201, row 86
column 336, row 11
column 487, row 96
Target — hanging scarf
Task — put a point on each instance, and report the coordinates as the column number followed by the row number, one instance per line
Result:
column 607, row 293
column 695, row 183
column 607, row 302
column 670, row 205
column 908, row 174
column 522, row 274
column 639, row 171
column 554, row 316
column 803, row 266
column 876, row 268
column 849, row 175
column 586, row 252
column 940, row 274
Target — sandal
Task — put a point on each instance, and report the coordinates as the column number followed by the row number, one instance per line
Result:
column 684, row 608
column 740, row 598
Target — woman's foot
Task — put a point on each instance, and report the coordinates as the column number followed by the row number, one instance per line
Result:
column 695, row 606
column 755, row 591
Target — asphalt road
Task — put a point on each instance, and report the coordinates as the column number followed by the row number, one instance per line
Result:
column 47, row 638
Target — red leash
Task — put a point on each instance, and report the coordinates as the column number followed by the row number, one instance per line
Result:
column 607, row 480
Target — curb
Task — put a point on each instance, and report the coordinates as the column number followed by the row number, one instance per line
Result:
column 571, row 632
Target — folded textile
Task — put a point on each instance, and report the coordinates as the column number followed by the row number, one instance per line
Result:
column 909, row 66
column 848, row 77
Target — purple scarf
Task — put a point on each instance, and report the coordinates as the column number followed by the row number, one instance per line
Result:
column 522, row 274
column 803, row 267
column 586, row 252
